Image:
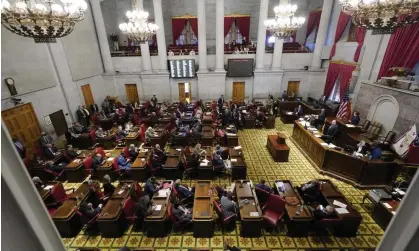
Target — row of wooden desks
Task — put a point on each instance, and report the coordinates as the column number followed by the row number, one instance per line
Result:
column 202, row 216
column 75, row 170
column 250, row 213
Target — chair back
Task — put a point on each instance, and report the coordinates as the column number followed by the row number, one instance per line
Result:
column 88, row 163
column 58, row 192
column 275, row 203
column 187, row 151
column 93, row 134
column 390, row 137
column 129, row 207
column 218, row 210
column 100, row 151
column 171, row 216
column 115, row 163
column 126, row 152
column 262, row 195
column 366, row 124
column 138, row 189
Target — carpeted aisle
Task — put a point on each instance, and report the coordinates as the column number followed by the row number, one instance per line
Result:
column 260, row 165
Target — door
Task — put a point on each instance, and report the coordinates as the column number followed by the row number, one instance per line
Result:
column 238, row 91
column 293, row 86
column 182, row 96
column 22, row 123
column 88, row 96
column 59, row 122
column 132, row 93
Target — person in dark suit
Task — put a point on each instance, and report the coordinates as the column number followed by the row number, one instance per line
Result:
column 50, row 151
column 181, row 215
column 263, row 186
column 87, row 115
column 55, row 168
column 94, row 108
column 355, row 119
column 284, row 96
column 376, row 152
column 46, row 139
column 133, row 152
column 81, row 116
column 70, row 152
column 154, row 101
column 121, row 133
column 87, row 210
column 144, row 208
column 323, row 212
column 108, row 188
column 130, row 109
column 319, row 122
column 228, row 205
column 183, row 191
column 151, row 186
column 299, row 111
column 162, row 156
column 97, row 162
column 20, row 148
column 331, row 132
column 309, row 190
column 220, row 102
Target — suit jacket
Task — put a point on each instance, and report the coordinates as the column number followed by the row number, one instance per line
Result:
column 319, row 214
column 229, row 207
column 333, row 130
column 49, row 153
column 298, row 111
column 46, row 140
column 108, row 188
column 264, row 187
column 149, row 188
column 220, row 102
column 72, row 154
column 94, row 108
column 183, row 191
column 355, row 120
column 96, row 163
column 20, row 149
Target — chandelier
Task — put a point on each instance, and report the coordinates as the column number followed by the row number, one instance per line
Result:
column 381, row 16
column 285, row 23
column 138, row 28
column 42, row 21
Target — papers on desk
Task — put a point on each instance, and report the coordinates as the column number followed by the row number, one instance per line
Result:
column 289, row 113
column 339, row 204
column 233, row 160
column 349, row 125
column 301, row 119
column 204, row 162
column 110, row 159
column 48, row 187
column 254, row 214
column 178, row 149
column 317, row 135
column 342, row 211
column 237, row 148
column 331, row 146
column 163, row 192
column 280, row 185
column 121, row 191
column 142, row 159
column 77, row 160
column 387, row 205
column 157, row 208
column 231, row 134
column 401, row 192
column 323, row 144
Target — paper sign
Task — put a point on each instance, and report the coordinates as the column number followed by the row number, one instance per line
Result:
column 203, row 164
column 254, row 214
column 339, row 204
column 350, row 126
column 237, row 148
column 121, row 191
column 157, row 208
column 342, row 211
column 233, row 160
column 323, row 144
column 387, row 205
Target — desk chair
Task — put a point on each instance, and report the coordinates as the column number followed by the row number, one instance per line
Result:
column 92, row 227
column 177, row 224
column 262, row 195
column 59, row 194
column 365, row 125
column 387, row 141
column 273, row 210
column 129, row 210
column 373, row 131
column 227, row 222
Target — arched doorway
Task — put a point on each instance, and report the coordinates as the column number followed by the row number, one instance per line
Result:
column 384, row 109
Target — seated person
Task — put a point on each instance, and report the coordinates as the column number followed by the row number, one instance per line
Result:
column 144, row 208
column 100, row 133
column 217, row 160
column 319, row 122
column 55, row 168
column 362, row 147
column 97, row 162
column 151, row 186
column 108, row 188
column 221, row 190
column 198, row 150
column 133, row 151
column 87, row 210
column 260, row 116
column 50, row 152
column 38, row 183
column 183, row 190
column 323, row 212
column 376, row 152
column 355, row 119
column 156, row 162
column 121, row 133
column 298, row 111
column 331, row 132
column 78, row 128
column 71, row 153
column 123, row 164
column 159, row 152
column 149, row 133
column 193, row 160
column 129, row 126
column 228, row 206
column 263, row 186
column 182, row 214
column 309, row 191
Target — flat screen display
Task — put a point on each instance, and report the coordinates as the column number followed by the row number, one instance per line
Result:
column 240, row 67
column 183, row 68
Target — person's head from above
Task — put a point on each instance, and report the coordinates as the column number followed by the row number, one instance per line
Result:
column 119, row 127
column 361, row 143
column 178, row 182
column 328, row 209
column 43, row 133
column 89, row 205
column 100, row 129
column 218, row 147
column 149, row 128
column 36, row 180
column 230, row 195
column 262, row 181
column 334, row 122
column 69, row 147
column 107, row 179
column 157, row 146
column 299, row 106
column 132, row 147
column 153, row 114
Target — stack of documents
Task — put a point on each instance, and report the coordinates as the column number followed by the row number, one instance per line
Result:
column 237, row 148
column 341, row 209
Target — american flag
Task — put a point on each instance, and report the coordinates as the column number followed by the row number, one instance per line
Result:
column 345, row 106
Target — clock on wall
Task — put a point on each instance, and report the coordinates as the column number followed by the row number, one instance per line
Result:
column 10, row 82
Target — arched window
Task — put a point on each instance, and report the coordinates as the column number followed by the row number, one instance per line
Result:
column 187, row 36
column 335, row 96
column 234, row 34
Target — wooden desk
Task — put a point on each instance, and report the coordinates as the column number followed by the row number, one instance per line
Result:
column 132, row 138
column 106, row 124
column 288, row 117
column 202, row 216
column 46, row 193
column 66, row 220
column 104, row 169
column 123, row 190
column 234, row 153
column 249, row 122
column 85, row 153
column 180, row 139
column 382, row 214
column 108, row 141
column 175, row 153
column 159, row 138
column 207, row 120
column 238, row 168
column 165, row 120
column 171, row 168
column 111, row 221
column 232, row 140
column 270, row 122
column 74, row 171
column 139, row 167
column 279, row 152
column 157, row 224
column 82, row 192
column 251, row 226
column 207, row 138
column 206, row 172
column 298, row 224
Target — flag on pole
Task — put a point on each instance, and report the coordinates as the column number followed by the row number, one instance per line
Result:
column 345, row 106
column 401, row 146
column 413, row 152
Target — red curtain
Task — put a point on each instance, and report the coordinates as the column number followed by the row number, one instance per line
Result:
column 228, row 21
column 177, row 27
column 313, row 22
column 342, row 23
column 402, row 49
column 332, row 76
column 194, row 25
column 360, row 36
column 345, row 78
column 244, row 26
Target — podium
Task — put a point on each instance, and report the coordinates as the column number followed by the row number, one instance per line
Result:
column 278, row 148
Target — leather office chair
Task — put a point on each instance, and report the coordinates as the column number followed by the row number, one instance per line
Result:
column 188, row 170
column 93, row 135
column 129, row 210
column 138, row 190
column 373, row 131
column 100, row 151
column 227, row 223
column 59, row 194
column 177, row 224
column 365, row 125
column 126, row 152
column 387, row 141
column 273, row 210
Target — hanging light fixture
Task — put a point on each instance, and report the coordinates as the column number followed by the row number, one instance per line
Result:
column 42, row 21
column 285, row 23
column 138, row 28
column 381, row 16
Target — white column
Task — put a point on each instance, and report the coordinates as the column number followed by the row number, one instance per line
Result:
column 260, row 50
column 219, row 35
column 101, row 36
column 161, row 40
column 277, row 56
column 322, row 33
column 202, row 37
column 145, row 56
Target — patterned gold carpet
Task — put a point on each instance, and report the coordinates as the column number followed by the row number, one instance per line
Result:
column 260, row 165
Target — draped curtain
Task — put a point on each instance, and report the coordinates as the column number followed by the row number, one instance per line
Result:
column 228, row 21
column 336, row 70
column 332, row 76
column 342, row 23
column 345, row 77
column 360, row 36
column 194, row 24
column 178, row 24
column 402, row 49
column 313, row 22
column 244, row 26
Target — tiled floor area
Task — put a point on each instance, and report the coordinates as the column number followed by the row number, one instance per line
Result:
column 260, row 165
